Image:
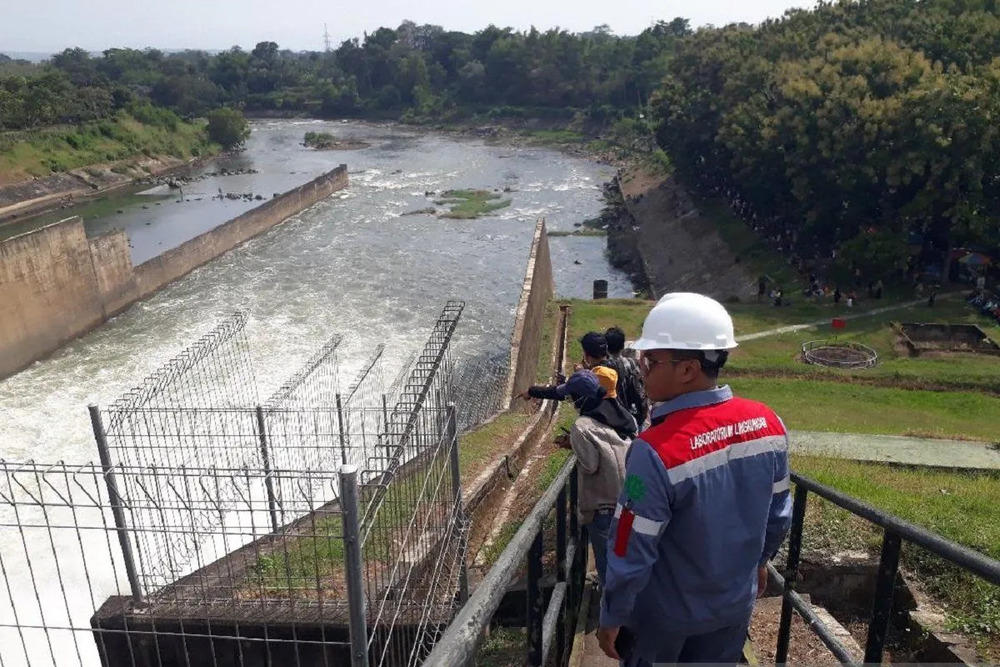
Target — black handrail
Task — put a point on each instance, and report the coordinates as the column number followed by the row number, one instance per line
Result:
column 546, row 627
column 895, row 532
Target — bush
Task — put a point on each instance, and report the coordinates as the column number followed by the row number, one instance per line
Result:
column 228, row 128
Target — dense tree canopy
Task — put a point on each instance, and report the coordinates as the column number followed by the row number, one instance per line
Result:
column 849, row 130
column 856, row 127
column 420, row 70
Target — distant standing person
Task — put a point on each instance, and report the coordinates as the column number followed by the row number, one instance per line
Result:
column 761, row 288
column 630, row 390
column 600, row 453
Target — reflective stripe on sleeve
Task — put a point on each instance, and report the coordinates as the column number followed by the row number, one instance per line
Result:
column 782, row 485
column 641, row 524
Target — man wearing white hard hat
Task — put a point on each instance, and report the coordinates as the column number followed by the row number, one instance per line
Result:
column 705, row 502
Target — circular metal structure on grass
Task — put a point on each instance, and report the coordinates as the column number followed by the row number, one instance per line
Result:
column 838, row 354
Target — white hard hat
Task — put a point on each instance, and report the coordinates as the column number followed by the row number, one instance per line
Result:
column 687, row 321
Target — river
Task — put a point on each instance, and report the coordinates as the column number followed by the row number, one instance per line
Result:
column 351, row 265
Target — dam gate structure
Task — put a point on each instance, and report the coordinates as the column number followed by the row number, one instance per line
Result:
column 322, row 525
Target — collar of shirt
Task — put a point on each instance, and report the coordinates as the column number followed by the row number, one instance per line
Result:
column 695, row 399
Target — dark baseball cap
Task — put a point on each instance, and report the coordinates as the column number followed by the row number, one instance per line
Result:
column 594, row 344
column 581, row 384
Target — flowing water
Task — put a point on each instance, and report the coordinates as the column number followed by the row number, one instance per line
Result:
column 351, row 265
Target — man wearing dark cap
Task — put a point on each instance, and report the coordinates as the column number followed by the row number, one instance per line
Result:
column 595, row 349
column 600, row 450
column 629, row 389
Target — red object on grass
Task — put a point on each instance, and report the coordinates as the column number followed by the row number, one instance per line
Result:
column 838, row 323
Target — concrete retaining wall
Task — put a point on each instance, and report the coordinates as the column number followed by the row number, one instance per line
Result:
column 529, row 321
column 55, row 284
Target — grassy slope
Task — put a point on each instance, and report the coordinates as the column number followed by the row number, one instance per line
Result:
column 43, row 152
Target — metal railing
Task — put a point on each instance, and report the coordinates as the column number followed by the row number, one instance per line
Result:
column 895, row 532
column 547, row 625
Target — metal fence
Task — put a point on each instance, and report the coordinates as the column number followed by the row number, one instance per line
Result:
column 895, row 532
column 322, row 526
column 550, row 624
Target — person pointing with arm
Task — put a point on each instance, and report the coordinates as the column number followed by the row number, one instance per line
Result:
column 705, row 503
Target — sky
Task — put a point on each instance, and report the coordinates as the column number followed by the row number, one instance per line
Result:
column 95, row 25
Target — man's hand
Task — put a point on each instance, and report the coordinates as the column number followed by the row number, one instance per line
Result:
column 761, row 580
column 562, row 441
column 524, row 395
column 606, row 638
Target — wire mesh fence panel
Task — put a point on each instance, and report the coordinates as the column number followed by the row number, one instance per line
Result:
column 481, row 385
column 415, row 541
column 214, row 531
column 215, row 372
column 315, row 385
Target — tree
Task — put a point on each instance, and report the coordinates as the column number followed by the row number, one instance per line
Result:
column 227, row 127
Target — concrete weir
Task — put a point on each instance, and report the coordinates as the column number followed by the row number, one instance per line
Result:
column 56, row 284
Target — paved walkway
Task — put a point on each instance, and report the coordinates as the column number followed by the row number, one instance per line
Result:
column 853, row 316
column 957, row 454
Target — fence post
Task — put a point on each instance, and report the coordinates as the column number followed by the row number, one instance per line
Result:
column 535, row 601
column 340, row 428
column 265, row 458
column 116, row 503
column 791, row 573
column 456, row 485
column 885, row 585
column 561, row 574
column 357, row 616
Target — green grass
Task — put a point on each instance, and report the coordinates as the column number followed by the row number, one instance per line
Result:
column 470, row 204
column 815, row 405
column 756, row 254
column 43, row 152
column 480, row 447
column 553, row 464
column 543, row 374
column 555, row 136
column 580, row 232
column 599, row 316
column 503, row 538
column 503, row 648
column 959, row 506
column 778, row 355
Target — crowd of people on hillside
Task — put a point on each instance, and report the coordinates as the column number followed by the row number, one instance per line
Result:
column 683, row 488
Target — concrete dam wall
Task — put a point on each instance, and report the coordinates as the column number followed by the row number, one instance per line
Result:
column 529, row 321
column 56, row 284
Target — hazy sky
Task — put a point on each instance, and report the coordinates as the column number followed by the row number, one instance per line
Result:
column 51, row 25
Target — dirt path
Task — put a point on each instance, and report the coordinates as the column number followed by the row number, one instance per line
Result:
column 792, row 328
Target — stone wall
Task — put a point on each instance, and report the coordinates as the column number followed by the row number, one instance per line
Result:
column 48, row 292
column 679, row 248
column 55, row 284
column 529, row 322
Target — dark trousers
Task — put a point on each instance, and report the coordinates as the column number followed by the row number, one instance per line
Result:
column 720, row 647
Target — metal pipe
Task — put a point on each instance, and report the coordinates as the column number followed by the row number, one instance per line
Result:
column 878, row 628
column 791, row 573
column 451, row 434
column 561, row 569
column 354, row 566
column 977, row 563
column 551, row 622
column 535, row 614
column 117, row 511
column 457, row 646
column 340, row 429
column 265, row 457
column 805, row 610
